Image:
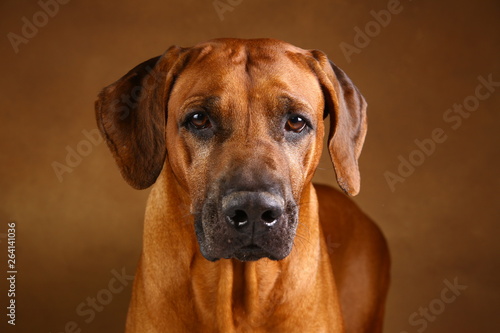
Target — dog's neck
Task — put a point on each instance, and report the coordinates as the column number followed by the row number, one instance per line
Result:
column 229, row 293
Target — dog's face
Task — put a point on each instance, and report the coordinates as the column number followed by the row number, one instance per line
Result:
column 243, row 136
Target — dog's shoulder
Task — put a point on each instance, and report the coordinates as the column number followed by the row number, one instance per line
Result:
column 345, row 225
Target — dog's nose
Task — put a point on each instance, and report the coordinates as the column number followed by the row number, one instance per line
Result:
column 252, row 212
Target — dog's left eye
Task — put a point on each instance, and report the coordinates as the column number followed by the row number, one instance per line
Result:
column 200, row 121
column 295, row 124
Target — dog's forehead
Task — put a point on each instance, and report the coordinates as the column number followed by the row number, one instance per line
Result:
column 261, row 68
column 248, row 55
column 264, row 48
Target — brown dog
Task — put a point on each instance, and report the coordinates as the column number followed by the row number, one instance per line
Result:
column 236, row 237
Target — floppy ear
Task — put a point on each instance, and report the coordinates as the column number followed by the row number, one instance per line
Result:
column 131, row 115
column 347, row 109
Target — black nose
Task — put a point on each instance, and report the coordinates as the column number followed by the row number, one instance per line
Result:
column 252, row 212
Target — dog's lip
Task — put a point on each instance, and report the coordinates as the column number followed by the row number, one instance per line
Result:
column 251, row 247
column 250, row 252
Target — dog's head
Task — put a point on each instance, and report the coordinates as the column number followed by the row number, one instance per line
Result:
column 240, row 123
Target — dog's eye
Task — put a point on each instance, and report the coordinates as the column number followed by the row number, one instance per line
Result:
column 199, row 121
column 295, row 124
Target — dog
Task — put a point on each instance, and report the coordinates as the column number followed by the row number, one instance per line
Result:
column 236, row 236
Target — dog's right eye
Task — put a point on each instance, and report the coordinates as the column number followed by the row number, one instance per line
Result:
column 199, row 121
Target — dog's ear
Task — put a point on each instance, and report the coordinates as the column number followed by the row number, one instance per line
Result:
column 347, row 109
column 131, row 114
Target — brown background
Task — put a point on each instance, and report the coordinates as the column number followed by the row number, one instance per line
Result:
column 441, row 223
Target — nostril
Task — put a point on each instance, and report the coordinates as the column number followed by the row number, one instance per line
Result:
column 239, row 218
column 269, row 217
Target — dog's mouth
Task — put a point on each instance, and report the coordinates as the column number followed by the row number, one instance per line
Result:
column 250, row 252
column 251, row 247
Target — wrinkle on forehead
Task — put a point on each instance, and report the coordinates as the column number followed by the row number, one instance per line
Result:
column 248, row 53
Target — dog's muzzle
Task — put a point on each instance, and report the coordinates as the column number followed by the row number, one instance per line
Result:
column 247, row 225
